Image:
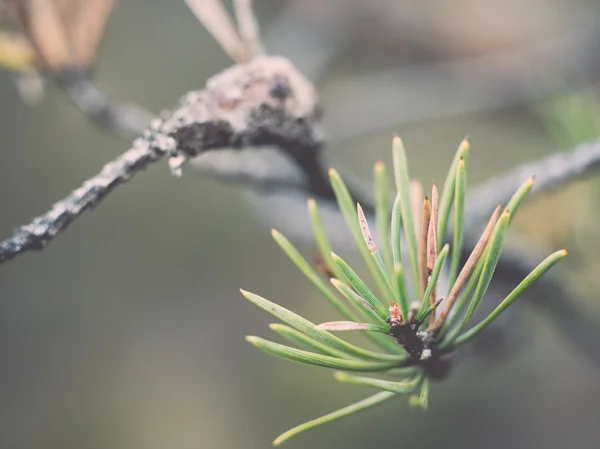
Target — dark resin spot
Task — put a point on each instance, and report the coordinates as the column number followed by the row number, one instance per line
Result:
column 280, row 88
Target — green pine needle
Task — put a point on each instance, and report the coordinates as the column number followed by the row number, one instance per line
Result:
column 361, row 304
column 447, row 197
column 312, row 275
column 366, row 312
column 302, row 340
column 311, row 358
column 462, row 302
column 517, row 199
column 402, row 178
column 348, row 209
column 460, row 189
column 321, row 239
column 492, row 255
column 421, row 401
column 435, row 275
column 369, row 402
column 360, row 287
column 544, row 266
column 403, row 387
column 379, row 263
column 310, row 329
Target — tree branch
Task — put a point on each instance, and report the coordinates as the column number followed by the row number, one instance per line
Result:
column 265, row 102
column 127, row 120
column 551, row 173
column 46, row 227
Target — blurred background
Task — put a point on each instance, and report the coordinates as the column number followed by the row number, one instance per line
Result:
column 128, row 331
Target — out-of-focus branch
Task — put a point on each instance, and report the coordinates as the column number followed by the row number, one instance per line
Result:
column 127, row 119
column 551, row 173
column 393, row 97
column 61, row 38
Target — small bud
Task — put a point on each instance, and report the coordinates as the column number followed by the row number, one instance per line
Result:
column 395, row 318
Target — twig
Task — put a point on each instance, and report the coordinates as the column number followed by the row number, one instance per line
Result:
column 128, row 120
column 44, row 228
column 550, row 173
column 238, row 108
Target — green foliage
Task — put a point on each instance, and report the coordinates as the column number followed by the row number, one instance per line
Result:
column 416, row 339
